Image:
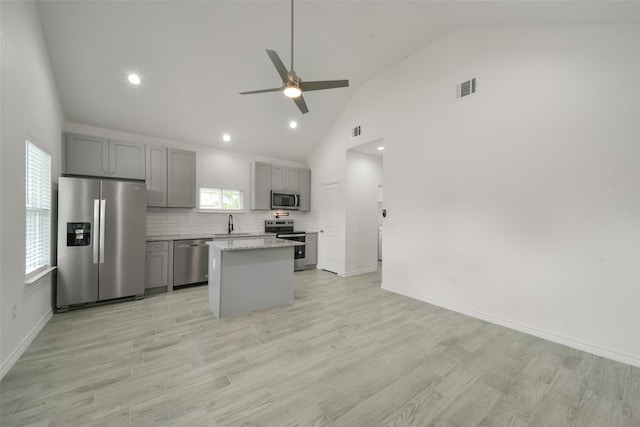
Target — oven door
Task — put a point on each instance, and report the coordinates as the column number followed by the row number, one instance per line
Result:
column 298, row 251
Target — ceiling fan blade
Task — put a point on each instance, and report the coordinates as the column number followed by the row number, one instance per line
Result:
column 277, row 62
column 301, row 104
column 276, row 89
column 326, row 84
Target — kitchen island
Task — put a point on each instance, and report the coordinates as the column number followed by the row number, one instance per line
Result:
column 250, row 274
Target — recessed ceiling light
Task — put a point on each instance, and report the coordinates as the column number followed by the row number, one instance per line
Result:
column 226, row 137
column 134, row 79
column 293, row 124
column 380, row 148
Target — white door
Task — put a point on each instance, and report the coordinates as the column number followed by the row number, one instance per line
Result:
column 380, row 217
column 328, row 236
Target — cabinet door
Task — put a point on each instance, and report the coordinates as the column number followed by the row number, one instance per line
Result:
column 260, row 185
column 292, row 180
column 311, row 249
column 126, row 160
column 87, row 155
column 278, row 177
column 156, row 176
column 284, row 179
column 157, row 265
column 305, row 189
column 181, row 179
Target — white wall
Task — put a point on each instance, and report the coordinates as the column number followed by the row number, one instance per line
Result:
column 214, row 168
column 29, row 107
column 363, row 176
column 520, row 204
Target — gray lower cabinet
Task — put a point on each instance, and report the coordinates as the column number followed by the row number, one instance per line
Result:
column 260, row 185
column 157, row 265
column 311, row 250
column 181, row 178
column 95, row 156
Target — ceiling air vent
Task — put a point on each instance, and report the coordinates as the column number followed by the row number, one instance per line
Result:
column 466, row 88
column 355, row 132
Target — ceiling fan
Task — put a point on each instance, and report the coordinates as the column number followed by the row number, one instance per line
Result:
column 292, row 85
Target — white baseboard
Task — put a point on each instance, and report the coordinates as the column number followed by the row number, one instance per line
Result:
column 608, row 354
column 359, row 272
column 26, row 342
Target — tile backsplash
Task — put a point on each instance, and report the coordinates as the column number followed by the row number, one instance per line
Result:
column 168, row 222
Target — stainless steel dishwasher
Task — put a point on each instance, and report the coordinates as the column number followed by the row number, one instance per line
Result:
column 190, row 261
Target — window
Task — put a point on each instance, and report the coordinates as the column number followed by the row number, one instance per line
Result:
column 220, row 199
column 38, row 209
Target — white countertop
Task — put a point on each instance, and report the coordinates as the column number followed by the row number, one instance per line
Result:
column 211, row 236
column 252, row 243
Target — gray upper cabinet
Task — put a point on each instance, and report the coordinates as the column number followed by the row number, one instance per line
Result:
column 260, row 186
column 305, row 189
column 181, row 178
column 284, row 179
column 170, row 177
column 277, row 178
column 87, row 155
column 126, row 160
column 266, row 178
column 156, row 176
column 94, row 156
column 292, row 181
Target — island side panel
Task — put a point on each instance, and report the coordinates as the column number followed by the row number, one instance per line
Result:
column 214, row 279
column 255, row 279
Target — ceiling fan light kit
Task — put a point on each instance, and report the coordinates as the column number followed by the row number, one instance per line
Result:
column 292, row 85
column 292, row 91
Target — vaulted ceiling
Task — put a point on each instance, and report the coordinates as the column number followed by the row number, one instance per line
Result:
column 195, row 56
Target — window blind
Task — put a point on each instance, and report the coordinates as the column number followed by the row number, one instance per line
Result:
column 38, row 208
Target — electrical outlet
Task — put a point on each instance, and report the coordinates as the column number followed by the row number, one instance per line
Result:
column 14, row 311
column 454, row 280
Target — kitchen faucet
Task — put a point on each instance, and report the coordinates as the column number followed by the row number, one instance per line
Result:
column 230, row 223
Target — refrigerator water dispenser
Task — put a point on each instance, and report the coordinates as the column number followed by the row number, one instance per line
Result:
column 78, row 233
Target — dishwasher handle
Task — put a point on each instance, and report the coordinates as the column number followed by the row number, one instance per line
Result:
column 190, row 245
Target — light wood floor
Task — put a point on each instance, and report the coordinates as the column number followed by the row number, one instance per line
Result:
column 345, row 353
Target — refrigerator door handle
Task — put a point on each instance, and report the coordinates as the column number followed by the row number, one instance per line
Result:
column 103, row 209
column 96, row 221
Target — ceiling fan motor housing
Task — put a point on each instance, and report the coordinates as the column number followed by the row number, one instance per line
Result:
column 293, row 78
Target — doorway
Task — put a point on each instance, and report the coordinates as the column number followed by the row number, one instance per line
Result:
column 363, row 207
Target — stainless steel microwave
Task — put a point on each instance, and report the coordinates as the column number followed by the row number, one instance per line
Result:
column 285, row 200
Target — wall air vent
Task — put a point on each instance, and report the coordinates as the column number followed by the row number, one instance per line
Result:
column 466, row 88
column 355, row 132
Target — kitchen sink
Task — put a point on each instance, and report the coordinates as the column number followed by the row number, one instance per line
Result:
column 235, row 235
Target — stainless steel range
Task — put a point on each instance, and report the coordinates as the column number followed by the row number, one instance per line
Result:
column 284, row 230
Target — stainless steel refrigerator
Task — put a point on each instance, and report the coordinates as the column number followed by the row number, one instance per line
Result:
column 101, row 240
